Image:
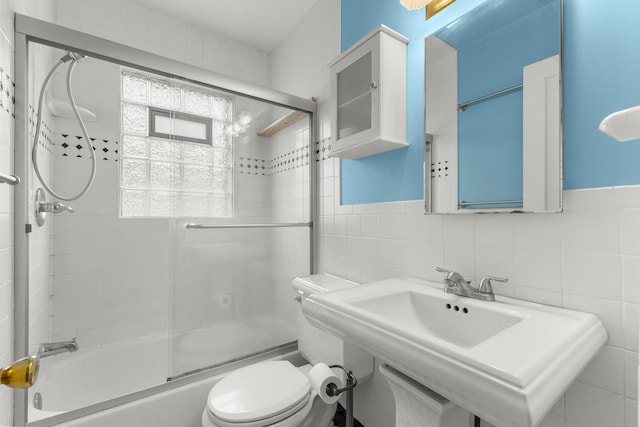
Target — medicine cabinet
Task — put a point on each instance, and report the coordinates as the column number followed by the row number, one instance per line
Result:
column 493, row 110
column 368, row 96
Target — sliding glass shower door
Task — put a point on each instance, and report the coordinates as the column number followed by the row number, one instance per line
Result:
column 183, row 251
column 232, row 276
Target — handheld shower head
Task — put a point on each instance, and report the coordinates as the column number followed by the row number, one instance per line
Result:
column 73, row 56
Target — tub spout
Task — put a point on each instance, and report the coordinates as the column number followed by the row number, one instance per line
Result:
column 52, row 348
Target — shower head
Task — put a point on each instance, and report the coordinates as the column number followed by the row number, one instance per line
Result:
column 73, row 56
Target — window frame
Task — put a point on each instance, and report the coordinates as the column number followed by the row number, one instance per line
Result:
column 156, row 111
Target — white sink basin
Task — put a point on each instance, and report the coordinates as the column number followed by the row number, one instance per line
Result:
column 507, row 361
column 433, row 313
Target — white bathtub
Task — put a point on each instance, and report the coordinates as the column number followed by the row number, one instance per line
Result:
column 71, row 381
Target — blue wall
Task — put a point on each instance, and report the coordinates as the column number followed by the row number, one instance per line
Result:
column 601, row 75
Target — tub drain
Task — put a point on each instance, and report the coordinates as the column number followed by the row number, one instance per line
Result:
column 37, row 400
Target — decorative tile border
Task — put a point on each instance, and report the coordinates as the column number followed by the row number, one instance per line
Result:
column 7, row 93
column 288, row 161
column 67, row 145
column 251, row 166
column 323, row 149
column 285, row 162
column 46, row 134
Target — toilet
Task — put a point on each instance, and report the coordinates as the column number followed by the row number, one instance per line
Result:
column 278, row 394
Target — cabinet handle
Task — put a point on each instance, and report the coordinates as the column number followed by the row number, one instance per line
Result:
column 373, row 85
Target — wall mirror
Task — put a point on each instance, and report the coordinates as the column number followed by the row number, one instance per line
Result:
column 493, row 110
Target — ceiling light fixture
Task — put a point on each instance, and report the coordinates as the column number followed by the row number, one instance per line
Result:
column 436, row 6
column 432, row 6
column 414, row 4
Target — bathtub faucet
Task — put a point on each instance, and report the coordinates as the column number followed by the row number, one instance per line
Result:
column 52, row 348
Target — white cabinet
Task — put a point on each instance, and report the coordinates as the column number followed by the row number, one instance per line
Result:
column 369, row 96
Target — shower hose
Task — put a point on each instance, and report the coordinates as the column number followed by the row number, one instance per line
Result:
column 74, row 58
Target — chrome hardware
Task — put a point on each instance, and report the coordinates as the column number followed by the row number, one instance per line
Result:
column 373, row 85
column 43, row 207
column 52, row 348
column 464, row 204
column 37, row 400
column 73, row 56
column 428, row 159
column 193, row 226
column 485, row 284
column 444, row 270
column 333, row 390
column 54, row 207
column 39, row 199
column 455, row 284
column 463, row 106
column 9, row 179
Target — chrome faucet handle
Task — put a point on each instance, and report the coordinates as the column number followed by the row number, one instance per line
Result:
column 452, row 275
column 447, row 283
column 53, row 207
column 485, row 284
column 454, row 282
column 59, row 207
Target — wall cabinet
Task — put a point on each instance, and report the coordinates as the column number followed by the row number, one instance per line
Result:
column 369, row 96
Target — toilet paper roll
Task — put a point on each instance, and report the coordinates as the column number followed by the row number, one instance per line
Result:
column 321, row 376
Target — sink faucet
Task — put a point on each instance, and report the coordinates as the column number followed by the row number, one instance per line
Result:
column 52, row 348
column 454, row 283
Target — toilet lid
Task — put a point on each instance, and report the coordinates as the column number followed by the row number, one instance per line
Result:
column 258, row 391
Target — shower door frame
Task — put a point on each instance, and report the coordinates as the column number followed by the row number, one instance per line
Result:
column 28, row 30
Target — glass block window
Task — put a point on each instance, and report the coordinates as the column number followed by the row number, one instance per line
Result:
column 176, row 157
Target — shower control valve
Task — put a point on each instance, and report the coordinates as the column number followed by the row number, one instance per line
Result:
column 54, row 207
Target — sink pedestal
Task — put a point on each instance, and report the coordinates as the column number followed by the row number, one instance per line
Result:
column 418, row 406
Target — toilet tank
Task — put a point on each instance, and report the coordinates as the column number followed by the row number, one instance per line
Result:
column 318, row 346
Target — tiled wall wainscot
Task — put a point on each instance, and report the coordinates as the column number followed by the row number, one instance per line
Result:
column 7, row 145
column 586, row 258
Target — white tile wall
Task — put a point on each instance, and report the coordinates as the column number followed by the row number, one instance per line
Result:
column 42, row 10
column 551, row 259
column 545, row 256
column 98, row 294
column 101, row 295
column 126, row 22
column 585, row 258
column 82, row 303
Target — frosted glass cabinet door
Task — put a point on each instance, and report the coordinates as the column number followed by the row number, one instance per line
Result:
column 368, row 93
column 356, row 89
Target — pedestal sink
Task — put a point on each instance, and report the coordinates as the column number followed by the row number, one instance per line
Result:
column 507, row 361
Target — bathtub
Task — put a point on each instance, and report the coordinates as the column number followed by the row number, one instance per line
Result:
column 105, row 376
column 69, row 381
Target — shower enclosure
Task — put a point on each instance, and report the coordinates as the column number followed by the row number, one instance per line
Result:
column 177, row 261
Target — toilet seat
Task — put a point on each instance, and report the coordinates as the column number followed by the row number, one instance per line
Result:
column 258, row 395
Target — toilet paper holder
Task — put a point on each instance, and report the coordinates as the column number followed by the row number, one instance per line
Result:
column 334, row 390
column 352, row 382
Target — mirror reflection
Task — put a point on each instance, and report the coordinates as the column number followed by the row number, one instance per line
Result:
column 493, row 110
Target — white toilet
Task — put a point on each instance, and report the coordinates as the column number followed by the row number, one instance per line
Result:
column 278, row 394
